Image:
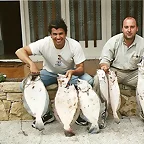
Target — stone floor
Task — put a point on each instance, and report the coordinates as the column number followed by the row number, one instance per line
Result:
column 129, row 131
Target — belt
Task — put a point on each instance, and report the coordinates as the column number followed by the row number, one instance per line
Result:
column 122, row 70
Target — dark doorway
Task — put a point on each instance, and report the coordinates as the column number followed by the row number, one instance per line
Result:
column 10, row 28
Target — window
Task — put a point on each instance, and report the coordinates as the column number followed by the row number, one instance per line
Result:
column 123, row 8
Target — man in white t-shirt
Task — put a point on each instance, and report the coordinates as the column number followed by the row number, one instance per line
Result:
column 61, row 55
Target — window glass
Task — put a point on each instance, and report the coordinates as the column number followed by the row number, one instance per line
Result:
column 120, row 9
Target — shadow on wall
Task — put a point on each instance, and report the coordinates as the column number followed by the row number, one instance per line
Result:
column 91, row 66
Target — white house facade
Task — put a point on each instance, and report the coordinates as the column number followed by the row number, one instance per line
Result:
column 91, row 22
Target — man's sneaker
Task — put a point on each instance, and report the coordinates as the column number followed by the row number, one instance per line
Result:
column 47, row 118
column 81, row 122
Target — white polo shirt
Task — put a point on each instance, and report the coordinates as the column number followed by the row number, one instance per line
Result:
column 117, row 54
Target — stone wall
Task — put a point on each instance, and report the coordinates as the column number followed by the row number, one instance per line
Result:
column 128, row 101
column 11, row 107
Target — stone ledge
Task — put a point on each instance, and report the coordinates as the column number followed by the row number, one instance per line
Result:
column 52, row 87
column 11, row 107
column 128, row 101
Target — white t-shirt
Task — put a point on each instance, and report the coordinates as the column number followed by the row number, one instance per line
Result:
column 70, row 54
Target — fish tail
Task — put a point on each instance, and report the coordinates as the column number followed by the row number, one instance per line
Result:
column 69, row 133
column 39, row 123
column 94, row 129
column 116, row 117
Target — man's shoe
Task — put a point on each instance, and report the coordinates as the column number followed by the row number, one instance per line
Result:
column 81, row 122
column 47, row 118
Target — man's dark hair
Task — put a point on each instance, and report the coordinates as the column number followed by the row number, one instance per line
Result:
column 58, row 23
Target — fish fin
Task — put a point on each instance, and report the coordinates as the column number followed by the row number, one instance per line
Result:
column 117, row 120
column 39, row 123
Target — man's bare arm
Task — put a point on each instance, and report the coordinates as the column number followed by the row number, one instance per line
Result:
column 78, row 71
column 23, row 54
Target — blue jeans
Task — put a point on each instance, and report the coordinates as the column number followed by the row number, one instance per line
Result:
column 49, row 78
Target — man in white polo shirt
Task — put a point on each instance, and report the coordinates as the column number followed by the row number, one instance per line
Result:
column 122, row 53
column 61, row 55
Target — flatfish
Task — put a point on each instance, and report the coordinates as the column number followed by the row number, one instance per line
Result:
column 66, row 104
column 89, row 104
column 101, row 88
column 140, row 88
column 114, row 93
column 35, row 99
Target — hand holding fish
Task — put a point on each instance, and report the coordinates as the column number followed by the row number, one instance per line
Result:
column 69, row 74
column 104, row 67
column 34, row 69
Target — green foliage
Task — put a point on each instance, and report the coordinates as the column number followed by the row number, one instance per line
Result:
column 2, row 77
